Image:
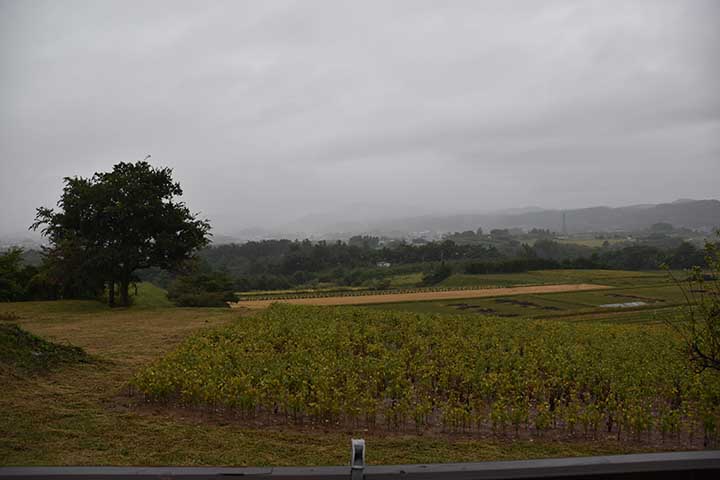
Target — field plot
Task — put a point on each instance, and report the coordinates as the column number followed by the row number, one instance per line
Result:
column 654, row 302
column 390, row 297
column 395, row 371
column 411, row 283
column 615, row 278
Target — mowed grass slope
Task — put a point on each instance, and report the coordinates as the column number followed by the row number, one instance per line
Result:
column 22, row 353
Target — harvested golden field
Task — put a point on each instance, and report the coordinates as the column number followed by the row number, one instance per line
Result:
column 423, row 296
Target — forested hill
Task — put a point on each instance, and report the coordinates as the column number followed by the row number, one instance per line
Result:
column 693, row 214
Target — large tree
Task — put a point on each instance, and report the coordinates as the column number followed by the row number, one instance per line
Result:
column 122, row 221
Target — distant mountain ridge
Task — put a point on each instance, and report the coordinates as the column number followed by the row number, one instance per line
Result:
column 695, row 214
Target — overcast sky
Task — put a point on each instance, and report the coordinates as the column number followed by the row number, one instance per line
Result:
column 272, row 110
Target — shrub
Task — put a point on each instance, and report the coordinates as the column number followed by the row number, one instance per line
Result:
column 437, row 275
column 202, row 289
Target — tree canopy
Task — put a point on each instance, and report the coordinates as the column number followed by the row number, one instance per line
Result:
column 14, row 276
column 700, row 323
column 114, row 223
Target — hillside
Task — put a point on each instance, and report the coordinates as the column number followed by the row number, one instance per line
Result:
column 695, row 214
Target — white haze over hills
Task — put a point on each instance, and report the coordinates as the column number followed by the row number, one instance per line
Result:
column 702, row 215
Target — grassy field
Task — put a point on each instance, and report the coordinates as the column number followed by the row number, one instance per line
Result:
column 407, row 280
column 617, row 278
column 81, row 414
column 151, row 296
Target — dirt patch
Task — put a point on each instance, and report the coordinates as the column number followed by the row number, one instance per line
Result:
column 525, row 304
column 425, row 296
column 479, row 310
column 482, row 430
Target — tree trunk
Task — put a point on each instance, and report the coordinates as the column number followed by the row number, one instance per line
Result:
column 124, row 294
column 111, row 293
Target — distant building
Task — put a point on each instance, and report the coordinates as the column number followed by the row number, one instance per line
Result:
column 383, row 264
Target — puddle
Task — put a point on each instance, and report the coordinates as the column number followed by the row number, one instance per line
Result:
column 623, row 305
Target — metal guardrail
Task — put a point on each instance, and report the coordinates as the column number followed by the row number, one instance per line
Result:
column 693, row 465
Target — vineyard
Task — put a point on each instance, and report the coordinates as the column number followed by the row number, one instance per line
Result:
column 401, row 371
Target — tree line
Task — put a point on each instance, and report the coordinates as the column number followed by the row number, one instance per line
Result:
column 126, row 225
column 282, row 264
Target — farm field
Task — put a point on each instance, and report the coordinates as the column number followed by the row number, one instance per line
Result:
column 81, row 413
column 615, row 278
column 409, row 283
column 534, row 294
column 320, row 290
column 435, row 294
column 658, row 301
column 106, row 411
column 453, row 374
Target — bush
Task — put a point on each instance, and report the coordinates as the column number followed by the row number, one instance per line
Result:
column 14, row 276
column 202, row 299
column 699, row 325
column 379, row 284
column 202, row 289
column 437, row 275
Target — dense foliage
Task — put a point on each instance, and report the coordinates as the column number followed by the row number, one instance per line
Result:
column 114, row 223
column 700, row 325
column 356, row 366
column 437, row 275
column 15, row 277
column 283, row 264
column 202, row 289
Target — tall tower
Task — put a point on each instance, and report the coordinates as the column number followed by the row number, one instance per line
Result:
column 564, row 225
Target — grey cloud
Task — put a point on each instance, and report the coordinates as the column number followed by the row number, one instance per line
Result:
column 269, row 111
